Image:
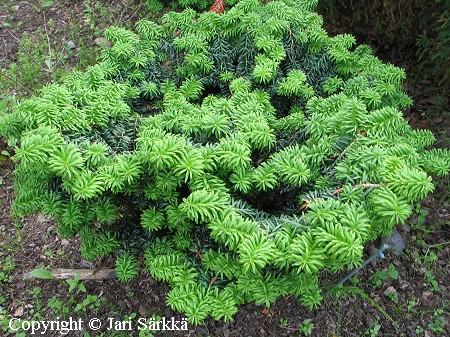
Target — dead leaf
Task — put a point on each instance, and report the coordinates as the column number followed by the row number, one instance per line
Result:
column 218, row 6
column 18, row 312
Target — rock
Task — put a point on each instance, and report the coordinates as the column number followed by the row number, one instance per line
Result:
column 389, row 290
column 426, row 295
column 404, row 285
column 41, row 218
column 427, row 299
column 439, row 120
column 394, row 243
column 71, row 45
column 404, row 228
column 102, row 42
column 64, row 242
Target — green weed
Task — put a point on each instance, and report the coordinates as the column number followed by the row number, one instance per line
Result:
column 305, row 328
column 382, row 275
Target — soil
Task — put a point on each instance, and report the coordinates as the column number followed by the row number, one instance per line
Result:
column 405, row 306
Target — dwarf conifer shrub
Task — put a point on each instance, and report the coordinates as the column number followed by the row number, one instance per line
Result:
column 238, row 154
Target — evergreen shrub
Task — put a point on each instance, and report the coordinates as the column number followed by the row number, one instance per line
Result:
column 237, row 155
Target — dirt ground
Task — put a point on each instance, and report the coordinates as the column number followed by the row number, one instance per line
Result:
column 413, row 304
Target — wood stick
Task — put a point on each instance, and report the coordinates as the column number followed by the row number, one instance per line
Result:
column 85, row 274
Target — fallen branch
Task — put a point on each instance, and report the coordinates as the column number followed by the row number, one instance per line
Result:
column 85, row 274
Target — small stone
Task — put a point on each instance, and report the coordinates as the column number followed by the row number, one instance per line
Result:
column 439, row 120
column 71, row 45
column 64, row 242
column 390, row 290
column 404, row 285
column 102, row 42
column 394, row 243
column 41, row 218
column 426, row 295
column 404, row 228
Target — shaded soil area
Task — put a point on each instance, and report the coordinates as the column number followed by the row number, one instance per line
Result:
column 414, row 303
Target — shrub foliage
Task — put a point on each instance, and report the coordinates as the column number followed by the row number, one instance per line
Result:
column 239, row 154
